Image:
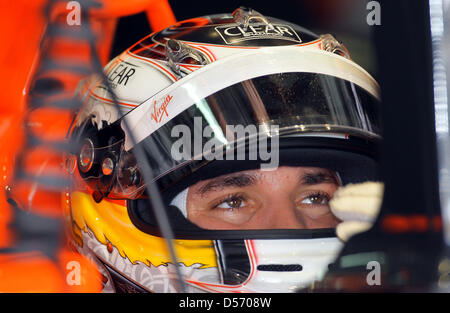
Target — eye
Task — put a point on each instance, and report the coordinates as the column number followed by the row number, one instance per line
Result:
column 231, row 203
column 317, row 198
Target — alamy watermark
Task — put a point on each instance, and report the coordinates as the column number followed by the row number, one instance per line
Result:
column 238, row 142
column 373, row 278
column 374, row 16
column 73, row 277
column 74, row 15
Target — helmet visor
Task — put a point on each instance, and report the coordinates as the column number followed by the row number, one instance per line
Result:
column 245, row 121
column 257, row 110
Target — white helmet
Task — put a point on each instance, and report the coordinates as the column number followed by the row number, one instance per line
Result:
column 284, row 86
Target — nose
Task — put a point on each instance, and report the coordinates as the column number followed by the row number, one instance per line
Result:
column 283, row 215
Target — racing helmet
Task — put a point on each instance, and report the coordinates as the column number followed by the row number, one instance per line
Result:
column 290, row 97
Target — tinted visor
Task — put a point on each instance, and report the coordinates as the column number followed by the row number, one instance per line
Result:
column 295, row 101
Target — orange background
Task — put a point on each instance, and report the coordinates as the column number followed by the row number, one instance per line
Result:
column 22, row 26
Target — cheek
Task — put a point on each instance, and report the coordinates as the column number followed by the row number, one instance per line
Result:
column 203, row 221
column 327, row 220
column 211, row 222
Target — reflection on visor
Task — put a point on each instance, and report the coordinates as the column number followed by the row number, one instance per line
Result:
column 296, row 100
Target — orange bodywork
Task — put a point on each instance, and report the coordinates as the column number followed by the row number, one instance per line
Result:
column 22, row 26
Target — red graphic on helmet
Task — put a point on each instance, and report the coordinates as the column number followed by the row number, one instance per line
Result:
column 159, row 112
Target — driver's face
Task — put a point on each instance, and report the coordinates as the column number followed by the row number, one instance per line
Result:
column 285, row 198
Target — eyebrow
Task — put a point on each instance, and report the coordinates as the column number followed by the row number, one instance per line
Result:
column 237, row 180
column 246, row 179
column 319, row 178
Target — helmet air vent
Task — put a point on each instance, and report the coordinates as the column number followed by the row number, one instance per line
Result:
column 280, row 268
column 244, row 16
column 177, row 52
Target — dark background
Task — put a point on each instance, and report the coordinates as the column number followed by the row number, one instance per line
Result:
column 345, row 19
